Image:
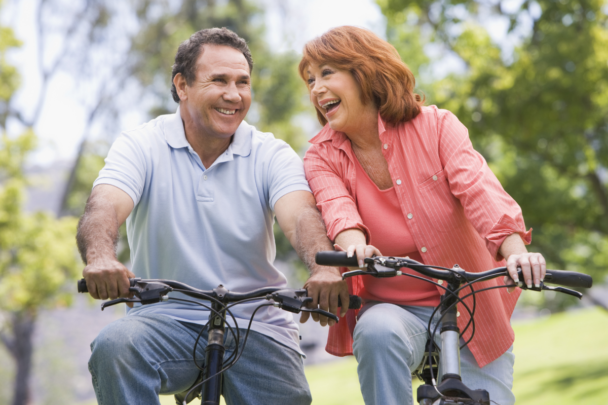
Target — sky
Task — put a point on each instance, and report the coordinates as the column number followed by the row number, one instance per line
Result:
column 289, row 24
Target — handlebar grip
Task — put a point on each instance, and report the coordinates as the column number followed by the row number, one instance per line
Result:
column 354, row 302
column 332, row 258
column 568, row 278
column 82, row 286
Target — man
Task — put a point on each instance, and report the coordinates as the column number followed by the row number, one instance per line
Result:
column 198, row 190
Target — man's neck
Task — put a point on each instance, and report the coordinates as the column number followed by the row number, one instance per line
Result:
column 208, row 148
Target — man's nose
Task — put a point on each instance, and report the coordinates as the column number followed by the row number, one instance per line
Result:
column 232, row 93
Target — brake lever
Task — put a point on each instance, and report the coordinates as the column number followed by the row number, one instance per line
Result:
column 322, row 312
column 118, row 301
column 565, row 291
column 544, row 287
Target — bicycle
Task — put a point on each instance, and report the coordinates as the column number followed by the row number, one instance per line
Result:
column 451, row 389
column 208, row 386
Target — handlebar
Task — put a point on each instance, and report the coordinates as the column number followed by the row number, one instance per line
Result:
column 384, row 266
column 156, row 290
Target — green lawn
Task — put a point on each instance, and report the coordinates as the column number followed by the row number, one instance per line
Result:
column 562, row 359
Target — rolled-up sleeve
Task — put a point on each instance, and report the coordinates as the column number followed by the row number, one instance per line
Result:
column 491, row 210
column 334, row 201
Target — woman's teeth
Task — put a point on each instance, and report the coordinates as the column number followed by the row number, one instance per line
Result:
column 330, row 105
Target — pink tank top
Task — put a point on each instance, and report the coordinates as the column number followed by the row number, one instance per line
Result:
column 381, row 213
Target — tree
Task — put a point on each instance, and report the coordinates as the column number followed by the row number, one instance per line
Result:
column 535, row 101
column 37, row 251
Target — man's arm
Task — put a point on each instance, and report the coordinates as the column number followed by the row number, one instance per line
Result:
column 301, row 222
column 107, row 209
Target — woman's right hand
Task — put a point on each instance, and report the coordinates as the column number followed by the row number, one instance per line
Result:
column 360, row 250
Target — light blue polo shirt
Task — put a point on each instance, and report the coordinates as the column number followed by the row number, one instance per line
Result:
column 206, row 226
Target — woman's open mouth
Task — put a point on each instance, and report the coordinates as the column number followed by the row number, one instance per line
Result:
column 331, row 105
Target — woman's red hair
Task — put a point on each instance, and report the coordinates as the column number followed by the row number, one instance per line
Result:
column 376, row 66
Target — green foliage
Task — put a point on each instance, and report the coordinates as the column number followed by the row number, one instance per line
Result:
column 37, row 251
column 538, row 112
column 9, row 77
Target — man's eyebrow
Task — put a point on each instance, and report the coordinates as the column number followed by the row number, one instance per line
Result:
column 226, row 76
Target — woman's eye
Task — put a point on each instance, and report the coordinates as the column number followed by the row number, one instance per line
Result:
column 310, row 81
column 326, row 72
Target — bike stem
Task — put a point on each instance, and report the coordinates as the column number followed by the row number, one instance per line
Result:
column 214, row 356
column 450, row 334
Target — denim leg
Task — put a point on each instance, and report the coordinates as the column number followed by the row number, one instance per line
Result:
column 136, row 358
column 267, row 373
column 380, row 363
column 389, row 345
column 496, row 377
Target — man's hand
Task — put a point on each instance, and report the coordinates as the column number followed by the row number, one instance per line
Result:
column 302, row 224
column 107, row 209
column 325, row 285
column 107, row 279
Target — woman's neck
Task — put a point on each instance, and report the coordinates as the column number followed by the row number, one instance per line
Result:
column 365, row 134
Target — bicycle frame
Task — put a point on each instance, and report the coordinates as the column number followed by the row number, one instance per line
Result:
column 451, row 384
column 154, row 291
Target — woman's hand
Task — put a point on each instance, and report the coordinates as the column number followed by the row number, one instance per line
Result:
column 533, row 266
column 361, row 251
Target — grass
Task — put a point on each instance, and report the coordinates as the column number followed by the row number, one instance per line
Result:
column 561, row 359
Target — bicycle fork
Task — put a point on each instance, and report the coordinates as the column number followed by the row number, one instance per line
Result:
column 452, row 389
column 214, row 358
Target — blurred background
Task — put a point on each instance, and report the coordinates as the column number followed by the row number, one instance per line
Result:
column 528, row 78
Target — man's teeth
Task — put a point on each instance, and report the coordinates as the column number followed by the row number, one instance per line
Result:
column 326, row 105
column 229, row 112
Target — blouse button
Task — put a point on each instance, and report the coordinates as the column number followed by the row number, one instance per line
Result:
column 386, row 146
column 410, row 216
column 423, row 250
column 204, row 177
column 434, row 177
column 398, row 182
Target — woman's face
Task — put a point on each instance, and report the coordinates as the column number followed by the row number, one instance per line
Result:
column 337, row 95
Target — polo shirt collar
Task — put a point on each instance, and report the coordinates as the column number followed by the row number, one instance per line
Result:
column 176, row 136
column 174, row 131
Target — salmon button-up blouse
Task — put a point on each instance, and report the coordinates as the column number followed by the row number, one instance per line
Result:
column 458, row 213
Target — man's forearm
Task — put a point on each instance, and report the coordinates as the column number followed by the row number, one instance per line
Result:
column 311, row 237
column 97, row 235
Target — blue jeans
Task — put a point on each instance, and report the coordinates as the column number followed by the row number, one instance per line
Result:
column 138, row 357
column 389, row 344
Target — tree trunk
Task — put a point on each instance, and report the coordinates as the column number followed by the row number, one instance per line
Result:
column 23, row 349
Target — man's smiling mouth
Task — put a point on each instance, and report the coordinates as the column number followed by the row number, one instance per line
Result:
column 225, row 111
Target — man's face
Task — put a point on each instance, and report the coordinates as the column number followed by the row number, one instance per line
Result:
column 219, row 97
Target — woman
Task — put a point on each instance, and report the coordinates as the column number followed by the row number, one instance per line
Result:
column 393, row 176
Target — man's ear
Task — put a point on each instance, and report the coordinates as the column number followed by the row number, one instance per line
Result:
column 180, row 86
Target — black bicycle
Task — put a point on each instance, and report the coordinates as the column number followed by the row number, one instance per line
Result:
column 208, row 386
column 451, row 389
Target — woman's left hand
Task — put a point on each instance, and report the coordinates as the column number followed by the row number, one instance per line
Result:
column 533, row 265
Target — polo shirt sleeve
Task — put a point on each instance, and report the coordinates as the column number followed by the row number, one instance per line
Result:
column 125, row 166
column 285, row 172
